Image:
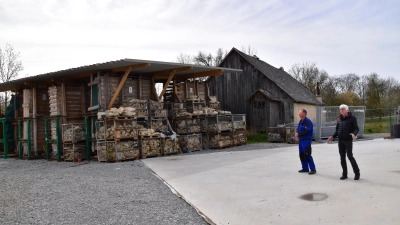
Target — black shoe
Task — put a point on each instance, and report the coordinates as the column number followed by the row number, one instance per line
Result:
column 312, row 172
column 343, row 177
column 357, row 177
column 303, row 171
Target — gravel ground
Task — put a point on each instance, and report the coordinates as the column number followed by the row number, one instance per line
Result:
column 41, row 192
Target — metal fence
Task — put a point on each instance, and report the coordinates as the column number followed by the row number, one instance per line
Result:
column 327, row 118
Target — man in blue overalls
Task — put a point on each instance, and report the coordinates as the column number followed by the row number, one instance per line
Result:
column 304, row 136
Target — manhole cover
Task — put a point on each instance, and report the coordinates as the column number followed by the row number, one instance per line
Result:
column 314, row 197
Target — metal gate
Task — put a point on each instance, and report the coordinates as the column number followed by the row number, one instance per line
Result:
column 327, row 118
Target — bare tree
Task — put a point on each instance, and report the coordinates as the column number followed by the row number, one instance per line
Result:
column 348, row 83
column 219, row 56
column 249, row 50
column 309, row 75
column 184, row 59
column 203, row 58
column 10, row 66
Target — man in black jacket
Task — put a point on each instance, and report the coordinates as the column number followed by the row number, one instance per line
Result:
column 346, row 131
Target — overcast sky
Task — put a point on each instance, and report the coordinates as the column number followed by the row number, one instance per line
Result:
column 341, row 36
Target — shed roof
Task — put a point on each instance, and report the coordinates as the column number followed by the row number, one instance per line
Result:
column 282, row 79
column 161, row 71
column 266, row 94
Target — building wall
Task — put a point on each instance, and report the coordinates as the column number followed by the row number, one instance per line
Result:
column 311, row 111
column 233, row 91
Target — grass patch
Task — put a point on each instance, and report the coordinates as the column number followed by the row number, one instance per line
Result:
column 376, row 125
column 255, row 138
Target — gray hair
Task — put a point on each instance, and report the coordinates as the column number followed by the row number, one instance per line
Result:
column 343, row 106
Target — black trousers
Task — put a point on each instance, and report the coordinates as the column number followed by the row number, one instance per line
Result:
column 346, row 146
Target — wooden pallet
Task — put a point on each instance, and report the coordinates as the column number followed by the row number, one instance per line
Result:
column 151, row 136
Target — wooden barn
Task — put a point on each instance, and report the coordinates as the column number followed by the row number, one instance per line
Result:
column 267, row 95
column 42, row 104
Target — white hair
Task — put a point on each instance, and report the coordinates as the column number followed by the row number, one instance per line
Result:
column 343, row 106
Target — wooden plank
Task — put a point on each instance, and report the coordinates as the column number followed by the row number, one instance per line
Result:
column 63, row 102
column 120, row 85
column 140, row 87
column 96, row 81
column 166, row 84
column 34, row 112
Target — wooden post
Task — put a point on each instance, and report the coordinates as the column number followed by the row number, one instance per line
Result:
column 166, row 84
column 34, row 112
column 120, row 85
column 140, row 87
column 63, row 102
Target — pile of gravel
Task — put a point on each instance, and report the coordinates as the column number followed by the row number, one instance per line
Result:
column 41, row 192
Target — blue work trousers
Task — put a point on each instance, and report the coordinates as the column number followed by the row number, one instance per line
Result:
column 307, row 162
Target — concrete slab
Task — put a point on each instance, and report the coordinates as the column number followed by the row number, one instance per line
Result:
column 264, row 187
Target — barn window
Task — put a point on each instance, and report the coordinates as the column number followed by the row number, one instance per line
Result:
column 259, row 104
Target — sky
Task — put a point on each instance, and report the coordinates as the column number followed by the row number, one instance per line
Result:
column 341, row 36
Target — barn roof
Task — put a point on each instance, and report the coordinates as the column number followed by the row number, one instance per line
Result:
column 266, row 94
column 282, row 79
column 161, row 71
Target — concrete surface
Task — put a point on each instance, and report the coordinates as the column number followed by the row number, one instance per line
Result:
column 264, row 187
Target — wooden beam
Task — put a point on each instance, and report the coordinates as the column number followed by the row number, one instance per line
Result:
column 169, row 71
column 79, row 76
column 210, row 73
column 166, row 84
column 135, row 66
column 121, row 83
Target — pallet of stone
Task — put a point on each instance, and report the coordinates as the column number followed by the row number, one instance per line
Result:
column 117, row 151
column 127, row 150
column 220, row 140
column 238, row 121
column 170, row 146
column 74, row 152
column 155, row 105
column 135, row 103
column 110, row 129
column 218, row 124
column 239, row 137
column 73, row 133
column 187, row 126
column 159, row 124
column 195, row 106
column 106, row 151
column 150, row 146
column 291, row 135
column 190, row 142
column 158, row 113
column 276, row 134
column 142, row 113
column 203, row 123
column 213, row 105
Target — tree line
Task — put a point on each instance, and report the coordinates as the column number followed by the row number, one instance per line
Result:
column 378, row 94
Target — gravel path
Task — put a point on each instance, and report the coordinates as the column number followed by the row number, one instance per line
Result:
column 41, row 192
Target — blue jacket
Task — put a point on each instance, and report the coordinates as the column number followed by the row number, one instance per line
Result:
column 305, row 129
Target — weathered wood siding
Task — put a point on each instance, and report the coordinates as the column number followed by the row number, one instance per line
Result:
column 42, row 109
column 233, row 91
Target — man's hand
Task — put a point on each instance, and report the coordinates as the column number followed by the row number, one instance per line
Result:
column 297, row 136
column 330, row 139
column 353, row 136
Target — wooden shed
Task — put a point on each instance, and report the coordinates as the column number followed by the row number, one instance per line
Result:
column 268, row 95
column 46, row 101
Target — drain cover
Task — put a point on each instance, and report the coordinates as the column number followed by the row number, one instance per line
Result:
column 314, row 197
